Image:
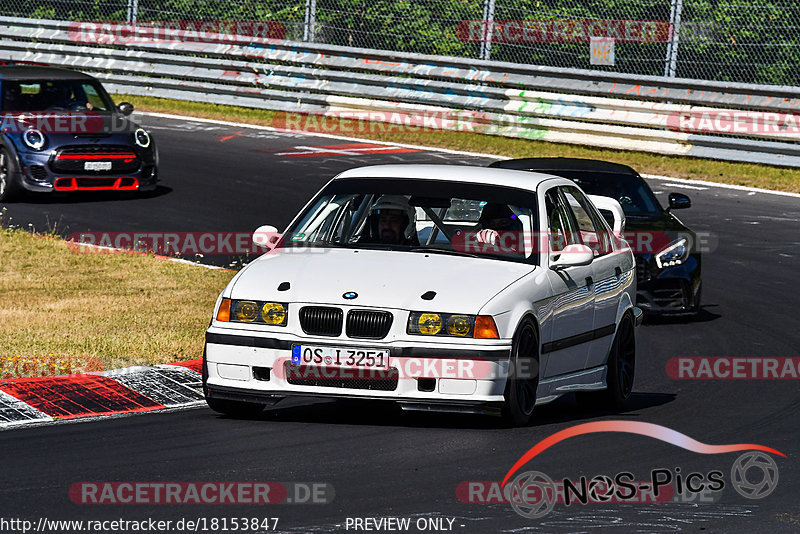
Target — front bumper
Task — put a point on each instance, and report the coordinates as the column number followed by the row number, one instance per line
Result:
column 671, row 290
column 422, row 375
column 36, row 174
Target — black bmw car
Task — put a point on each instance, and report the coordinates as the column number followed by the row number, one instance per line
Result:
column 61, row 131
column 667, row 256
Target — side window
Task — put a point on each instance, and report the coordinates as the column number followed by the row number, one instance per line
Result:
column 592, row 232
column 93, row 98
column 560, row 226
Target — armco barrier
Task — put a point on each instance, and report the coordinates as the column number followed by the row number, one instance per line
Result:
column 617, row 111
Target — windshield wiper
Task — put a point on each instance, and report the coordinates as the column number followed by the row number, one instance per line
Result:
column 444, row 251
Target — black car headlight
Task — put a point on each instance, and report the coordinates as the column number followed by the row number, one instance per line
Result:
column 675, row 254
column 451, row 324
column 141, row 137
column 34, row 139
column 253, row 311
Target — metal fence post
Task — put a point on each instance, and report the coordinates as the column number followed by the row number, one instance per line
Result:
column 488, row 21
column 309, row 28
column 133, row 8
column 675, row 12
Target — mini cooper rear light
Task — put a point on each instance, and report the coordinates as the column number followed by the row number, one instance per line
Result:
column 485, row 328
column 224, row 311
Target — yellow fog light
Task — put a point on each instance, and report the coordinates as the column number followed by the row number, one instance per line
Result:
column 273, row 313
column 246, row 311
column 458, row 325
column 429, row 323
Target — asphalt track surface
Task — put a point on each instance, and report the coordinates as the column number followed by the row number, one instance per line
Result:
column 383, row 462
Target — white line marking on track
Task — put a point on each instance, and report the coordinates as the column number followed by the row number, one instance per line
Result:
column 686, row 186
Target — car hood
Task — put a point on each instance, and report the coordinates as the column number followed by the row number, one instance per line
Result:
column 664, row 222
column 663, row 228
column 382, row 279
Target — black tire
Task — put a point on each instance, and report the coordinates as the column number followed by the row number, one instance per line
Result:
column 523, row 378
column 621, row 365
column 696, row 306
column 237, row 409
column 9, row 188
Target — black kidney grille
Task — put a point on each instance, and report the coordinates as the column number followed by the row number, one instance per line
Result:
column 320, row 321
column 368, row 324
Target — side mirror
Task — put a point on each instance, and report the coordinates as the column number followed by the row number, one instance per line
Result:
column 266, row 236
column 571, row 256
column 126, row 108
column 609, row 206
column 679, row 201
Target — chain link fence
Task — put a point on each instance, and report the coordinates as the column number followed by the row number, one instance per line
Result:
column 751, row 41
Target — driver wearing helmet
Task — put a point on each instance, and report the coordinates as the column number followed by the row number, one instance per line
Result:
column 499, row 226
column 392, row 221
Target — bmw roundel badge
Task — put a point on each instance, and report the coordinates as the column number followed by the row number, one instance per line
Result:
column 350, row 295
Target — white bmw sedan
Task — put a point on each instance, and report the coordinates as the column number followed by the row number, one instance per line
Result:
column 440, row 287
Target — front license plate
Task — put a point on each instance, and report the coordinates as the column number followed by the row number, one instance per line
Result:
column 340, row 357
column 97, row 166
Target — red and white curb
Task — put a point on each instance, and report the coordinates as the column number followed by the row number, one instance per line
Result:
column 45, row 399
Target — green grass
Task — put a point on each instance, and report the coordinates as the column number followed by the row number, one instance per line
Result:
column 749, row 174
column 64, row 312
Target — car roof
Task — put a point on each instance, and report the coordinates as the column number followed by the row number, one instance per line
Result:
column 31, row 72
column 456, row 173
column 565, row 164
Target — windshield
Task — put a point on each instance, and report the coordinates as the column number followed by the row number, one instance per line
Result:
column 632, row 192
column 422, row 216
column 54, row 95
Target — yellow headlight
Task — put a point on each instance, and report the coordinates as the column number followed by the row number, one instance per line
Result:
column 458, row 325
column 273, row 313
column 429, row 323
column 246, row 311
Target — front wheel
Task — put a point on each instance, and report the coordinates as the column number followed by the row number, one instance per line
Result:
column 621, row 364
column 9, row 189
column 523, row 376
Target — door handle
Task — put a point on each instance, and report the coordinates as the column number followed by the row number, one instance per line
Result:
column 618, row 271
column 589, row 281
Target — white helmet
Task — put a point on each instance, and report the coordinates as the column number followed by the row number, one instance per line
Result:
column 397, row 203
